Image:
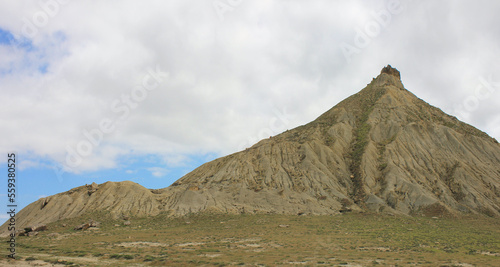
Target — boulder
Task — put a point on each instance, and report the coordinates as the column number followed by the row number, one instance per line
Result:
column 44, row 203
column 93, row 223
column 20, row 233
column 84, row 226
column 40, row 228
column 31, row 234
column 88, row 225
column 92, row 188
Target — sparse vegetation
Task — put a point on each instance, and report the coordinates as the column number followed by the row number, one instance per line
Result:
column 449, row 179
column 149, row 258
column 361, row 132
column 382, row 166
column 355, row 239
column 125, row 256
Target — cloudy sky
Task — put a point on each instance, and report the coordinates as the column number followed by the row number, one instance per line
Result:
column 146, row 91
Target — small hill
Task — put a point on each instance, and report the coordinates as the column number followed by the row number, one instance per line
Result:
column 380, row 150
column 119, row 198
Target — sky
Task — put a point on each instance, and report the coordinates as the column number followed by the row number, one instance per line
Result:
column 146, row 91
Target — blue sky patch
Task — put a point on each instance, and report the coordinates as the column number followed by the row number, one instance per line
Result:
column 43, row 68
column 6, row 37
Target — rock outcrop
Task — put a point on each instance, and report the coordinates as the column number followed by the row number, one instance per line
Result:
column 382, row 150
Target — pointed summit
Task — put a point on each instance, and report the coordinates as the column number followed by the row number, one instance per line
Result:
column 387, row 86
column 388, row 76
column 391, row 71
column 382, row 150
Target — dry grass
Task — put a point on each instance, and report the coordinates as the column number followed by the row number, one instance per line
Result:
column 253, row 240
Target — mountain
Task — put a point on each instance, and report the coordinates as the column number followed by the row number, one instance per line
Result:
column 380, row 150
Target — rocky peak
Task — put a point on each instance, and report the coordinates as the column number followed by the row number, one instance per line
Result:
column 388, row 76
column 388, row 82
column 391, row 71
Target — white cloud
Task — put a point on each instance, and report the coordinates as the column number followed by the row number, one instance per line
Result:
column 158, row 171
column 226, row 77
column 27, row 164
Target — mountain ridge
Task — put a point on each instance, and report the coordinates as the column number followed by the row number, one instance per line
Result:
column 381, row 150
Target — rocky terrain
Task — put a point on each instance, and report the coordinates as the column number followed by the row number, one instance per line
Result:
column 380, row 150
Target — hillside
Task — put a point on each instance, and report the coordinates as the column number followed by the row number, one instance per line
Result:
column 382, row 149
